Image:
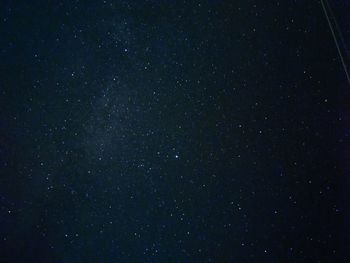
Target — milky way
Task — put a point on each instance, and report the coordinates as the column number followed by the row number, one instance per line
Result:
column 170, row 131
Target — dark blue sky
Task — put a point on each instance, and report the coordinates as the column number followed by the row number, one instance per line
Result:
column 172, row 131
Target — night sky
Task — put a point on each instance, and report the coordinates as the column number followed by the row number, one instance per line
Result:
column 173, row 131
